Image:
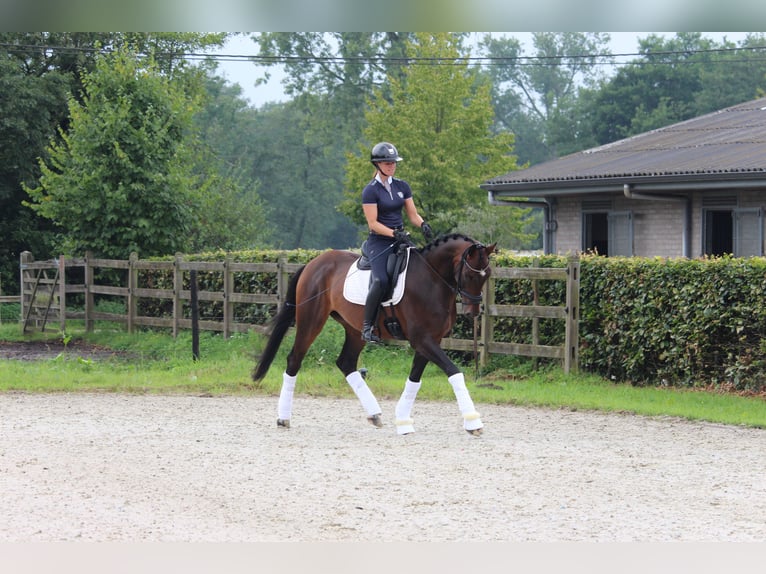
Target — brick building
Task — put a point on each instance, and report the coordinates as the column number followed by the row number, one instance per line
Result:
column 689, row 189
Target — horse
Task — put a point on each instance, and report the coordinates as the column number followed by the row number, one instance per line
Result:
column 436, row 274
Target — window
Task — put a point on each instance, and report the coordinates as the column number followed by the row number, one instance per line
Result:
column 596, row 233
column 605, row 231
column 736, row 231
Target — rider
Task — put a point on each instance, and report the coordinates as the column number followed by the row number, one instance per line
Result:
column 382, row 201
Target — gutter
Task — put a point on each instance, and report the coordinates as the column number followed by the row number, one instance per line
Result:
column 549, row 224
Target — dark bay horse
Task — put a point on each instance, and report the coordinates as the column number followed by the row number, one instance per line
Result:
column 449, row 266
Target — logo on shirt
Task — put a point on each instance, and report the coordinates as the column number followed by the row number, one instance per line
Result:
column 400, row 194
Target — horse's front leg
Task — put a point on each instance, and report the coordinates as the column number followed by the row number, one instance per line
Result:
column 471, row 418
column 347, row 362
column 403, row 411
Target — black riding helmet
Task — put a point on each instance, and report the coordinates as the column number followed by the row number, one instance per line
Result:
column 384, row 151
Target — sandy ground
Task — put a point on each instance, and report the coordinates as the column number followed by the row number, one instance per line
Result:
column 111, row 467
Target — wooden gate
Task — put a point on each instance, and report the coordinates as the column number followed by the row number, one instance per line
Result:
column 42, row 299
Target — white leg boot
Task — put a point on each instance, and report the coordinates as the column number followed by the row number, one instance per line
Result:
column 285, row 405
column 403, row 411
column 365, row 396
column 471, row 419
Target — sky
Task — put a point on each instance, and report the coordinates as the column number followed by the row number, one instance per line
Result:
column 245, row 73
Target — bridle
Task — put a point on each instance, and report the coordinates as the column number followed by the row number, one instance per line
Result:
column 475, row 299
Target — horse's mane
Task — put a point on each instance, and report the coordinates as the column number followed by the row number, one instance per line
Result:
column 445, row 239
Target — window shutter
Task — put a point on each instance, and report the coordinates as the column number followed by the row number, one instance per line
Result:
column 620, row 233
column 748, row 232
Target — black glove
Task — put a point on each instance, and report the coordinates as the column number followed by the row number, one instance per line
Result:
column 427, row 231
column 402, row 236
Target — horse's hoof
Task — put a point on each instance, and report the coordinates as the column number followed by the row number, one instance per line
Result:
column 376, row 421
column 475, row 432
column 404, row 427
column 283, row 423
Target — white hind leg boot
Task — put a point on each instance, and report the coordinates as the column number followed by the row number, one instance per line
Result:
column 403, row 411
column 285, row 405
column 363, row 393
column 471, row 419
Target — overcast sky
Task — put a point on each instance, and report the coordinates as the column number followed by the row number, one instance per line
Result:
column 245, row 73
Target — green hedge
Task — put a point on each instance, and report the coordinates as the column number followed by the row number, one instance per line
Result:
column 677, row 322
column 265, row 283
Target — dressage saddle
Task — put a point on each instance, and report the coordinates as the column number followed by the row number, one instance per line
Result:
column 396, row 262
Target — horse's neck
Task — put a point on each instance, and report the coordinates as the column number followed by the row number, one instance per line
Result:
column 443, row 259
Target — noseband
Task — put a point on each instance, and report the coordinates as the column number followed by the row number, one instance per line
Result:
column 475, row 299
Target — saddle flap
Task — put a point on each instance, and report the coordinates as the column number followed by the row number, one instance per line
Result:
column 357, row 283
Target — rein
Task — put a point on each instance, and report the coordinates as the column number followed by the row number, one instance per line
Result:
column 459, row 274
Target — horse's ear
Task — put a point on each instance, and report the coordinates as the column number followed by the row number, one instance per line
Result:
column 491, row 248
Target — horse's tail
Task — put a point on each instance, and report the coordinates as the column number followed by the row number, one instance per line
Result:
column 281, row 322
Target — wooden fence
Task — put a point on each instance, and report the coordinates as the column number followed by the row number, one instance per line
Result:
column 46, row 290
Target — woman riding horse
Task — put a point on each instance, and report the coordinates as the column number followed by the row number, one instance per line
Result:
column 451, row 265
column 382, row 201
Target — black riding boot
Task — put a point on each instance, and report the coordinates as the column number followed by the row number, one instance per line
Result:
column 371, row 307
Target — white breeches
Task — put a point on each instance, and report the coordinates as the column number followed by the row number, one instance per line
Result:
column 471, row 419
column 363, row 393
column 403, row 411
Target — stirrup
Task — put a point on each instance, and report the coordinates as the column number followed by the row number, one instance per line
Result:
column 369, row 336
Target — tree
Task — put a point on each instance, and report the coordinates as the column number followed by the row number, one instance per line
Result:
column 676, row 79
column 440, row 119
column 119, row 180
column 537, row 97
column 39, row 71
column 300, row 157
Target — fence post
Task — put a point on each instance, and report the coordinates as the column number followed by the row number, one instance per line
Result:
column 62, row 293
column 24, row 259
column 178, row 285
column 571, row 355
column 282, row 280
column 194, row 313
column 89, row 300
column 228, row 289
column 535, row 320
column 132, row 286
column 487, row 321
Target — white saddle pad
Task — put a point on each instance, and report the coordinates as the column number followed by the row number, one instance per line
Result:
column 357, row 285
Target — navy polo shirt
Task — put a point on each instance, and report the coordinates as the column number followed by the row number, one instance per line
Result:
column 389, row 204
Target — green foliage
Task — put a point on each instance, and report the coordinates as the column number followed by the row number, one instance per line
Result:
column 152, row 362
column 440, row 119
column 539, row 99
column 264, row 283
column 675, row 322
column 39, row 72
column 675, row 79
column 119, row 181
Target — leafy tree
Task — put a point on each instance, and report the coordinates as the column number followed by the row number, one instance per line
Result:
column 675, row 79
column 39, row 71
column 30, row 107
column 233, row 214
column 299, row 152
column 119, row 180
column 536, row 97
column 440, row 120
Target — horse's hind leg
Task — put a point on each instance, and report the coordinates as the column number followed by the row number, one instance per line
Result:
column 304, row 337
column 285, row 404
column 347, row 363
